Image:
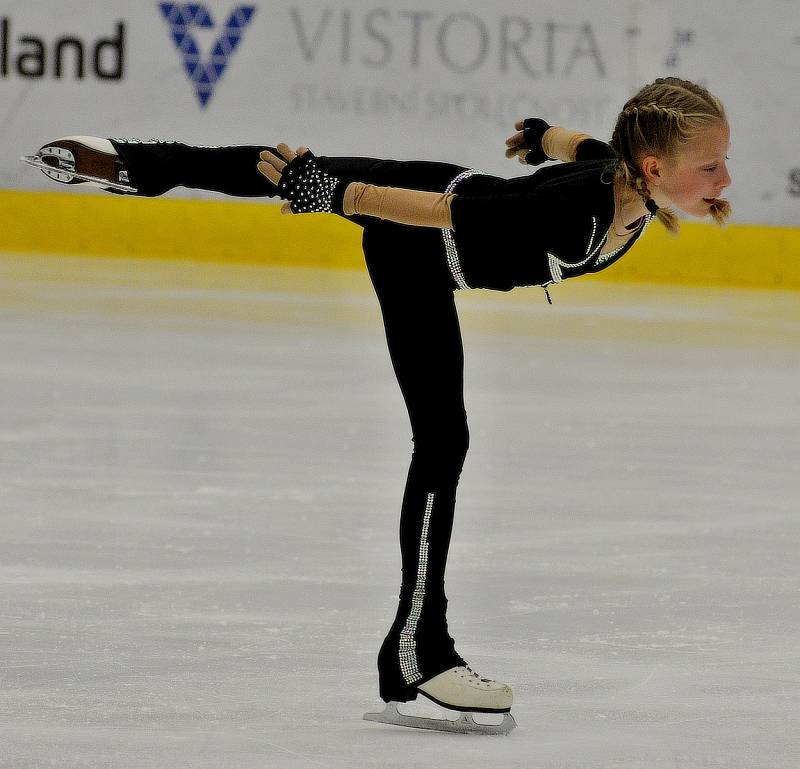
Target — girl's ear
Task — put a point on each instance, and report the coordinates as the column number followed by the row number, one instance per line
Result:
column 652, row 169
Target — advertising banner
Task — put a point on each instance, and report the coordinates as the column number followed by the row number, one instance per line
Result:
column 440, row 80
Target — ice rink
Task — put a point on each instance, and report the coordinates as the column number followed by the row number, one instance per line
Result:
column 201, row 471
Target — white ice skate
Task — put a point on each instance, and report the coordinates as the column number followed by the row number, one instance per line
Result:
column 82, row 160
column 459, row 689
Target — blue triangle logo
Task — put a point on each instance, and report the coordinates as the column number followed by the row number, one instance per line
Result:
column 205, row 75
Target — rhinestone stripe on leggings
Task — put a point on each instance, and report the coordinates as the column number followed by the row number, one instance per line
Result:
column 409, row 665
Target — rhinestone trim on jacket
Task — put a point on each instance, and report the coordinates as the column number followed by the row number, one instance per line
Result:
column 556, row 265
column 453, row 259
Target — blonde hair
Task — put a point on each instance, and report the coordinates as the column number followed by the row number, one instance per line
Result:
column 659, row 120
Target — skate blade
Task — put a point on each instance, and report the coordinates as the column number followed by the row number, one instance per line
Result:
column 68, row 177
column 464, row 724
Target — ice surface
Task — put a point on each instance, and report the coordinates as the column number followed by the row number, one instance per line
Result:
column 199, row 497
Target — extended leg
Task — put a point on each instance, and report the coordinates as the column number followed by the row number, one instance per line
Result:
column 150, row 168
column 157, row 166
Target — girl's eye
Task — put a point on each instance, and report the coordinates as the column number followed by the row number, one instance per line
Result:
column 714, row 168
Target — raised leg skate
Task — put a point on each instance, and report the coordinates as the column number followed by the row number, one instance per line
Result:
column 83, row 160
column 459, row 689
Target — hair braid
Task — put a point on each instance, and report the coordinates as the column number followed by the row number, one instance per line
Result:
column 658, row 120
column 631, row 135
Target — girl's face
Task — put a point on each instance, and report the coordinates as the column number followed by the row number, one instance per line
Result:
column 696, row 176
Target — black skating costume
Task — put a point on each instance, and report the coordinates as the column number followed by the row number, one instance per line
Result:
column 531, row 230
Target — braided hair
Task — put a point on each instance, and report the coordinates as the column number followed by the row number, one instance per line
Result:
column 661, row 118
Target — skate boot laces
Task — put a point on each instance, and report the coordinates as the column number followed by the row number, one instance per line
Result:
column 478, row 678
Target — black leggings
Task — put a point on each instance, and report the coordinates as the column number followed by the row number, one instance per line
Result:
column 409, row 271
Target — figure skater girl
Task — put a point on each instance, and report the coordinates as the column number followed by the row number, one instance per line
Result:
column 430, row 228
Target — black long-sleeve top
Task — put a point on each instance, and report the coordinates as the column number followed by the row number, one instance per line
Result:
column 541, row 228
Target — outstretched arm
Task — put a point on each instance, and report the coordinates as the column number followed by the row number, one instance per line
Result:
column 536, row 141
column 314, row 190
column 396, row 204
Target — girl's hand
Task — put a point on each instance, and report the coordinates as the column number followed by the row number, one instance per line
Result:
column 516, row 144
column 526, row 144
column 272, row 166
column 301, row 181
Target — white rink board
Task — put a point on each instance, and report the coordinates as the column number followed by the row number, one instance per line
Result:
column 443, row 80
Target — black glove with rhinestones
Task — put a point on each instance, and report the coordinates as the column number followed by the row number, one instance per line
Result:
column 309, row 188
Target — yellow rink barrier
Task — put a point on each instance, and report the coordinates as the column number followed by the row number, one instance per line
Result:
column 254, row 232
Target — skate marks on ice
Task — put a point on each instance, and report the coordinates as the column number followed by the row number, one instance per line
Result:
column 464, row 723
column 200, row 493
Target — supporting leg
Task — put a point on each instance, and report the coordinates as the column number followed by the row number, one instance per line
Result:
column 424, row 342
